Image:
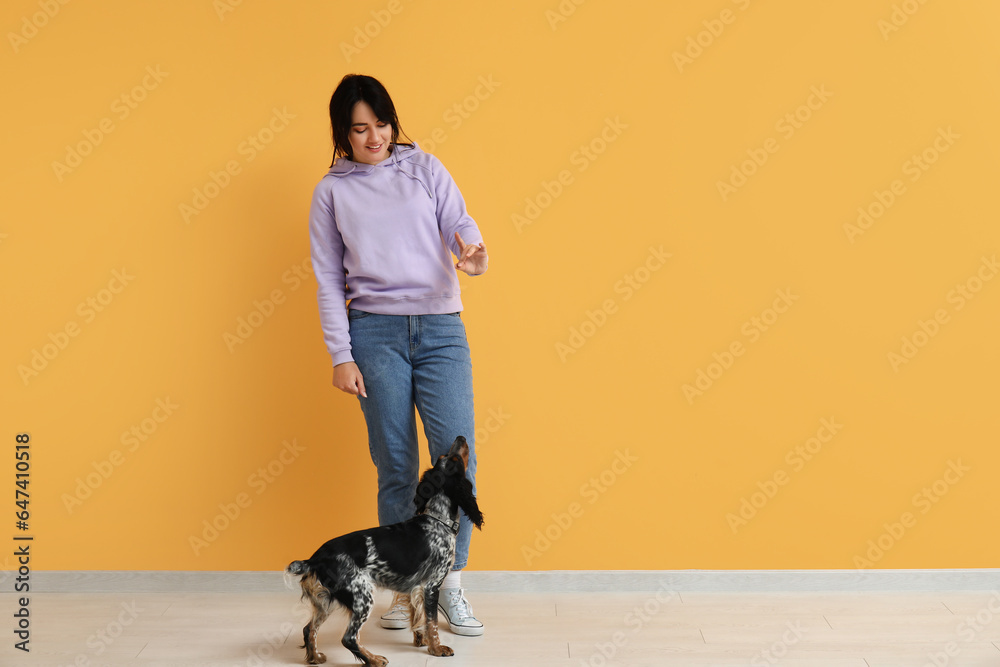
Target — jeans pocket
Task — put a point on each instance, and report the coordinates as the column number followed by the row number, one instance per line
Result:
column 355, row 314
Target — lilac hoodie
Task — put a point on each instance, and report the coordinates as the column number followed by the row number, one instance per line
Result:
column 388, row 232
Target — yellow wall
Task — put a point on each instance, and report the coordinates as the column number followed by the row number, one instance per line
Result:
column 681, row 300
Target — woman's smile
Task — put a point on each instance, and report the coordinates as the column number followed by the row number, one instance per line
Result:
column 370, row 137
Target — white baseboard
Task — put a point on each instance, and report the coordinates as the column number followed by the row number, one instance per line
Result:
column 750, row 581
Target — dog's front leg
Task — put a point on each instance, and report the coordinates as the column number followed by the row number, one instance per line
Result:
column 434, row 646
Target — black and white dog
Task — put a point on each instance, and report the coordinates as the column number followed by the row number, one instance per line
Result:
column 410, row 557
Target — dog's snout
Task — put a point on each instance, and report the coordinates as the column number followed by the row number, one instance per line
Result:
column 460, row 448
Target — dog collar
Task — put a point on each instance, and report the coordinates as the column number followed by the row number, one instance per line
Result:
column 453, row 525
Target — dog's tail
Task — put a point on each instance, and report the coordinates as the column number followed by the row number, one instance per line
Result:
column 295, row 569
column 417, row 619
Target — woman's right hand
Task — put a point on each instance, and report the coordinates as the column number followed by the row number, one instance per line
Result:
column 347, row 377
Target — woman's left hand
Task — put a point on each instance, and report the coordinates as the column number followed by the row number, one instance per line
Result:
column 472, row 257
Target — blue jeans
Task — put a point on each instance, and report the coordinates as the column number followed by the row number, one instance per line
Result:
column 410, row 361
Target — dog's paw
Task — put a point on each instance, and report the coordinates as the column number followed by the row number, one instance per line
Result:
column 378, row 661
column 317, row 659
column 440, row 650
column 418, row 638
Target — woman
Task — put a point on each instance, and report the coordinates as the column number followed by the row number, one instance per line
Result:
column 385, row 220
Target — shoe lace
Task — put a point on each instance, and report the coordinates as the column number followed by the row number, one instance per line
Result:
column 458, row 602
column 400, row 603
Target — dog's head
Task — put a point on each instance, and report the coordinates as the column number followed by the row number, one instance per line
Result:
column 448, row 477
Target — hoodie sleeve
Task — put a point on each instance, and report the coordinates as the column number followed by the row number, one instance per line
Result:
column 451, row 214
column 327, row 249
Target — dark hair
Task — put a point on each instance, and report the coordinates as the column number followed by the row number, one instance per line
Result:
column 354, row 88
column 448, row 478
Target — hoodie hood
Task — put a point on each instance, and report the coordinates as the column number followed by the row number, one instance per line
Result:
column 402, row 158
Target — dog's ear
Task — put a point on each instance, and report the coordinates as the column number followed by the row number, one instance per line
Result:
column 430, row 484
column 467, row 501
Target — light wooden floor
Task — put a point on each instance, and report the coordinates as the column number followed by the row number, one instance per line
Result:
column 552, row 629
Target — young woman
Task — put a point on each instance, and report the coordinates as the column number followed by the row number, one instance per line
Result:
column 384, row 223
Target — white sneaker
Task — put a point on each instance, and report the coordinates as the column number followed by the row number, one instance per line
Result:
column 458, row 612
column 398, row 616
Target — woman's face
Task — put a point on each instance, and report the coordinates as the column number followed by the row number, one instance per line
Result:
column 370, row 137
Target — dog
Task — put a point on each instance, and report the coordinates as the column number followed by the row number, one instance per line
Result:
column 410, row 557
